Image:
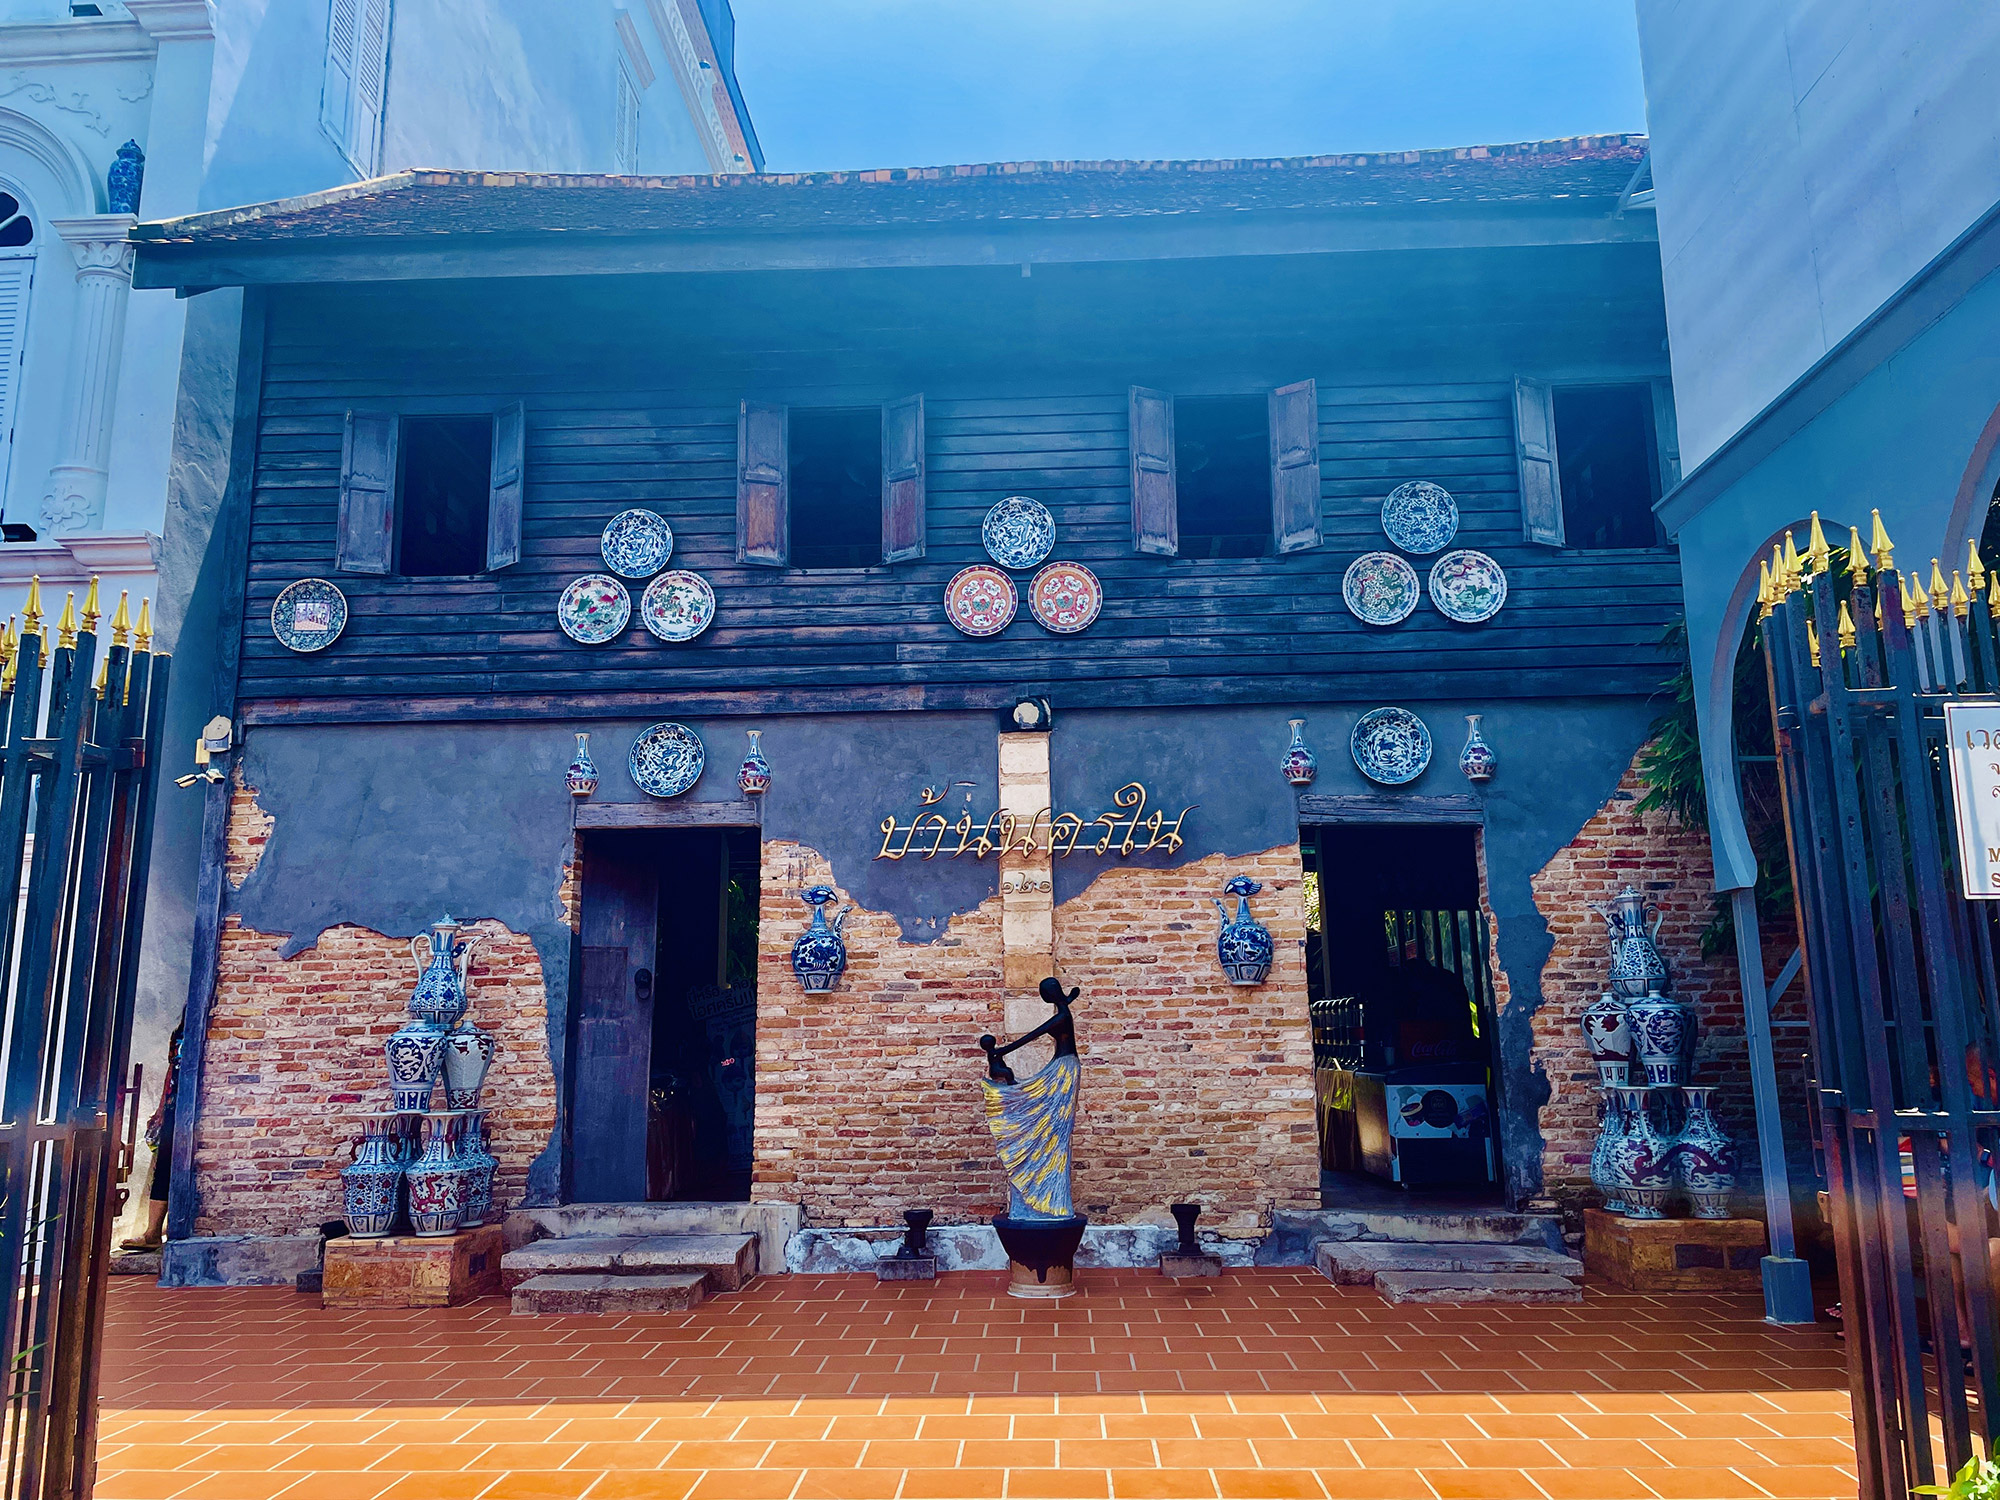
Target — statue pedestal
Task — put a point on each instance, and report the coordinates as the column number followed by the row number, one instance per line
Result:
column 406, row 1271
column 1041, row 1254
column 1674, row 1255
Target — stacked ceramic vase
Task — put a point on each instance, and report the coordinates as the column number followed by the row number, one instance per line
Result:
column 423, row 1162
column 1658, row 1139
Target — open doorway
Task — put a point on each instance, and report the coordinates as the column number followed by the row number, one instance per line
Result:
column 662, row 1056
column 1402, row 1014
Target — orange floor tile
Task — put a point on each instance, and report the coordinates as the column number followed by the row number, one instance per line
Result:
column 1265, row 1383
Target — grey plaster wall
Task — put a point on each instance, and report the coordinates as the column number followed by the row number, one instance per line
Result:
column 390, row 827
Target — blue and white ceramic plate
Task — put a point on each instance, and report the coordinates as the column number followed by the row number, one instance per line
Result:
column 666, row 760
column 1391, row 746
column 1380, row 588
column 1420, row 517
column 678, row 605
column 309, row 615
column 1468, row 587
column 1018, row 532
column 593, row 609
column 637, row 543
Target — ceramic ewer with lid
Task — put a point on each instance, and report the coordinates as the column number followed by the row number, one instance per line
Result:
column 1611, row 1125
column 442, row 958
column 1636, row 965
column 437, row 1177
column 1607, row 1037
column 1639, row 1164
column 369, row 1185
column 416, row 1058
column 820, row 953
column 1243, row 946
column 582, row 774
column 1661, row 1038
column 1705, row 1158
column 1477, row 762
column 754, row 775
column 468, row 1053
column 1300, row 765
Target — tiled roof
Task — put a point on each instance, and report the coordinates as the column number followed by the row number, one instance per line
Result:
column 424, row 203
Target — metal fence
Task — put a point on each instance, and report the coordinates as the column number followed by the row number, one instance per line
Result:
column 77, row 783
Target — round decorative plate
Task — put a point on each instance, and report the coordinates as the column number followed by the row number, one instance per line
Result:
column 1018, row 532
column 1065, row 597
column 1468, row 587
column 980, row 600
column 309, row 615
column 666, row 760
column 593, row 609
column 1380, row 588
column 1391, row 746
column 678, row 605
column 1420, row 517
column 637, row 543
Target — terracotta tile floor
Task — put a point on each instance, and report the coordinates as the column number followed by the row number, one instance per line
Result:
column 1266, row 1383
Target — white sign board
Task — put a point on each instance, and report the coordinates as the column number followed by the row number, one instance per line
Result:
column 1973, row 730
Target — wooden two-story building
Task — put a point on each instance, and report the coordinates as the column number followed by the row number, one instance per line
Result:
column 1208, row 377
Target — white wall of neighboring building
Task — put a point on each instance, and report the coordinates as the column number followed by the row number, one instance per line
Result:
column 1809, row 158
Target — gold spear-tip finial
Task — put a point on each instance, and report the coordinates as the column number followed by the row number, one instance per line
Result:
column 1795, row 569
column 121, row 621
column 1975, row 570
column 1993, row 592
column 1878, row 611
column 1961, row 602
column 142, row 633
column 103, row 674
column 1812, row 642
column 1847, row 636
column 1766, row 596
column 66, row 626
column 1913, row 591
column 90, row 610
column 1857, row 557
column 1879, row 543
column 31, row 612
column 1940, row 593
column 1818, row 555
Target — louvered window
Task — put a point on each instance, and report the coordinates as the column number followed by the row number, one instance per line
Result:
column 625, row 148
column 356, row 81
column 17, row 275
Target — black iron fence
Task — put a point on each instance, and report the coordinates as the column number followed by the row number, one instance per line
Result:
column 77, row 775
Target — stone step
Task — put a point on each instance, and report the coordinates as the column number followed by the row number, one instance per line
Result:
column 774, row 1224
column 557, row 1293
column 1293, row 1235
column 1359, row 1262
column 728, row 1260
column 1476, row 1286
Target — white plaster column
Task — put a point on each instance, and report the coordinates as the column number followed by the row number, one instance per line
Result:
column 75, row 498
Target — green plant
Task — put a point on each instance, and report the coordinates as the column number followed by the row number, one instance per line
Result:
column 1979, row 1479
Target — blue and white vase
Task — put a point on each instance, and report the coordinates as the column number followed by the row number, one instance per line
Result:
column 1636, row 966
column 480, row 1165
column 820, row 953
column 468, row 1054
column 416, row 1058
column 582, row 774
column 754, row 775
column 1607, row 1037
column 1300, row 765
column 1611, row 1125
column 1476, row 761
column 1243, row 946
column 442, row 958
column 370, row 1185
column 1639, row 1164
column 437, row 1178
column 1705, row 1158
column 126, row 180
column 1661, row 1036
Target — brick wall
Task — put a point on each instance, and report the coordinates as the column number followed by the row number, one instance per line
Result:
column 868, row 1099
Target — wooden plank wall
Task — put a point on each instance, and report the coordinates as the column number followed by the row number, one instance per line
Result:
column 1174, row 631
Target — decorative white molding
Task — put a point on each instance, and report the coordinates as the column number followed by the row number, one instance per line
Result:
column 71, row 185
column 175, row 20
column 103, row 251
column 78, row 559
column 70, row 101
column 635, row 49
column 81, row 41
column 697, row 84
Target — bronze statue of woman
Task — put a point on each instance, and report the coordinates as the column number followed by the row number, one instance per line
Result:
column 1031, row 1122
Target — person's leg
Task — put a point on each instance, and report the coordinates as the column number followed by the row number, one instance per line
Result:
column 156, row 1197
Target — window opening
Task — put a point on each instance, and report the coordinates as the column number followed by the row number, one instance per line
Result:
column 1222, row 473
column 1609, row 467
column 16, row 228
column 446, row 483
column 836, row 487
column 625, row 148
column 355, row 84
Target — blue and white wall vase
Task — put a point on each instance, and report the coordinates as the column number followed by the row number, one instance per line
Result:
column 1477, row 761
column 754, row 775
column 1244, row 944
column 1300, row 765
column 582, row 773
column 820, row 954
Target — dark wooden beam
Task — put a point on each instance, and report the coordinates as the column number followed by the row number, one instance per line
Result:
column 670, row 814
column 1389, row 807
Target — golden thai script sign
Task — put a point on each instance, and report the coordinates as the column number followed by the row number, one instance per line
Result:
column 1128, row 830
column 1974, row 732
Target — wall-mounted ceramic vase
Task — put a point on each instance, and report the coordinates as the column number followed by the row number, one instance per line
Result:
column 582, row 774
column 1243, row 946
column 1477, row 760
column 820, row 953
column 754, row 775
column 1300, row 765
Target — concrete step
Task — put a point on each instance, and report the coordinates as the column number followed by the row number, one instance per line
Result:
column 1359, row 1262
column 774, row 1224
column 1293, row 1235
column 1476, row 1286
column 728, row 1260
column 565, row 1292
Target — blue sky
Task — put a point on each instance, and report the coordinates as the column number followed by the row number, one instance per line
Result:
column 870, row 83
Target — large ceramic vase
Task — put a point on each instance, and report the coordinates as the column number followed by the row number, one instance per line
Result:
column 1300, row 765
column 437, row 1177
column 1477, row 762
column 754, row 775
column 442, row 958
column 820, row 952
column 1636, row 966
column 369, row 1187
column 480, row 1165
column 1610, row 1126
column 1661, row 1038
column 1243, row 946
column 1639, row 1163
column 1705, row 1158
column 416, row 1058
column 1607, row 1037
column 468, row 1053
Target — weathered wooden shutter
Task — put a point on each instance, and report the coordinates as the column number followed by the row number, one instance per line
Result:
column 16, row 277
column 1295, row 466
column 763, row 511
column 1155, row 513
column 1541, row 482
column 336, row 95
column 371, row 86
column 507, row 487
column 1666, row 434
column 903, row 479
column 367, row 534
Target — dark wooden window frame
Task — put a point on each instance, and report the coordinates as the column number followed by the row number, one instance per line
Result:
column 369, row 516
column 1292, row 421
column 1540, row 460
column 764, row 482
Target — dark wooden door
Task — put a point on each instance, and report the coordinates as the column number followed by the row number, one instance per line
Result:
column 612, row 1049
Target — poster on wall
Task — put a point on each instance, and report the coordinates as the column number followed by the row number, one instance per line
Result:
column 1973, row 730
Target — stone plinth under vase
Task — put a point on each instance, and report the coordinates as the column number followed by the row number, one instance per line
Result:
column 1041, row 1254
column 406, row 1271
column 1674, row 1255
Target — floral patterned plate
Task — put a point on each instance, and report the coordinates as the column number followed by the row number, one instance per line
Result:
column 1018, row 532
column 309, row 615
column 1065, row 597
column 980, row 600
column 1380, row 588
column 1391, row 746
column 1420, row 517
column 593, row 609
column 637, row 543
column 1468, row 587
column 678, row 605
column 666, row 760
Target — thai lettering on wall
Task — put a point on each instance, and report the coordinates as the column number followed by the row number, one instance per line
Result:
column 1126, row 829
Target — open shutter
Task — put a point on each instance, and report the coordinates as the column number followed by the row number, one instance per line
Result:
column 336, row 95
column 763, row 513
column 1666, row 434
column 16, row 277
column 903, row 479
column 1295, row 466
column 1155, row 515
column 371, row 79
column 1541, row 483
column 504, row 494
column 367, row 536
